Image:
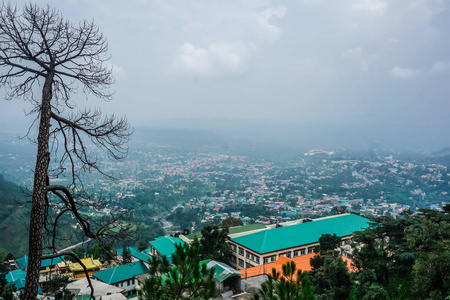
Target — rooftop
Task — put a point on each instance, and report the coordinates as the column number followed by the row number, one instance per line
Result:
column 301, row 262
column 122, row 272
column 301, row 234
column 165, row 245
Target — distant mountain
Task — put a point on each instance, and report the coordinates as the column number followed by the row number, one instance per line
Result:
column 14, row 219
column 441, row 153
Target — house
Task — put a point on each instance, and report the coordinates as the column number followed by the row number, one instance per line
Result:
column 123, row 276
column 22, row 263
column 136, row 255
column 267, row 246
column 17, row 278
column 92, row 266
column 226, row 277
column 142, row 256
column 48, row 265
column 81, row 289
column 164, row 245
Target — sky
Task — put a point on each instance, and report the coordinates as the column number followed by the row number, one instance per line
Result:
column 322, row 73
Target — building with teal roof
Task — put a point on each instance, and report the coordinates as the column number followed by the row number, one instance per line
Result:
column 142, row 256
column 268, row 245
column 22, row 262
column 17, row 278
column 164, row 246
column 123, row 276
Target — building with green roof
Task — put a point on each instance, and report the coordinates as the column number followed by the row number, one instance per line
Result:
column 164, row 245
column 18, row 278
column 123, row 276
column 268, row 245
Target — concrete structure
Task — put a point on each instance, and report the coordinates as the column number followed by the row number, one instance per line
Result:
column 164, row 245
column 123, row 276
column 267, row 246
column 81, row 287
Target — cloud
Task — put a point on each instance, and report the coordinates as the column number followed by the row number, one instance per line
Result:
column 356, row 54
column 441, row 67
column 215, row 59
column 117, row 71
column 271, row 32
column 404, row 72
column 376, row 7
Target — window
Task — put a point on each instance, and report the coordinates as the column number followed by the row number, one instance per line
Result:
column 311, row 250
column 248, row 255
column 302, row 252
column 288, row 255
column 128, row 282
column 132, row 281
column 241, row 263
column 269, row 259
column 296, row 253
column 257, row 260
column 233, row 247
column 248, row 265
column 241, row 251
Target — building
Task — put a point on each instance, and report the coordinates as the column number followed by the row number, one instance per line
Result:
column 82, row 290
column 267, row 246
column 123, row 276
column 301, row 263
column 91, row 265
column 164, row 245
column 226, row 278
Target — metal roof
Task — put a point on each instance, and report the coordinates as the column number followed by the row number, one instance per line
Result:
column 222, row 271
column 52, row 261
column 121, row 273
column 165, row 245
column 142, row 256
column 301, row 234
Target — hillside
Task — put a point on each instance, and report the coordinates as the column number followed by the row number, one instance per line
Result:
column 14, row 219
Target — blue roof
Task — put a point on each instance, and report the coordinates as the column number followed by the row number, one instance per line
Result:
column 121, row 273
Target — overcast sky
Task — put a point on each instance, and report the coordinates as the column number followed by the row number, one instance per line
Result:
column 369, row 70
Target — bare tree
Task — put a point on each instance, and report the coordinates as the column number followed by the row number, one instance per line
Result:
column 40, row 52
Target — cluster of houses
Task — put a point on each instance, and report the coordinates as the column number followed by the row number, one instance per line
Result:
column 256, row 249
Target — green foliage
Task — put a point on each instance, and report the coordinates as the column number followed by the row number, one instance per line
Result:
column 328, row 243
column 142, row 246
column 404, row 258
column 292, row 285
column 431, row 269
column 105, row 252
column 14, row 217
column 215, row 246
column 329, row 272
column 79, row 252
column 126, row 255
column 186, row 279
column 231, row 222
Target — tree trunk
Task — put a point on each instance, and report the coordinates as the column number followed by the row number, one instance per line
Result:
column 39, row 193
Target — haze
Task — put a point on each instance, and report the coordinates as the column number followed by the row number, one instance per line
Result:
column 314, row 73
